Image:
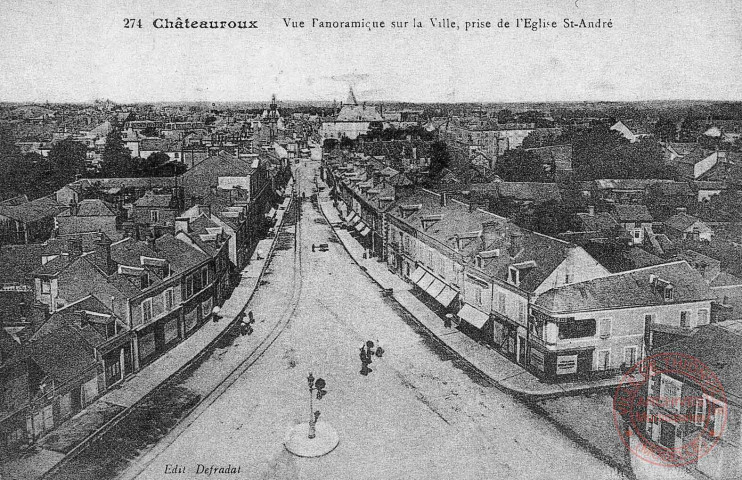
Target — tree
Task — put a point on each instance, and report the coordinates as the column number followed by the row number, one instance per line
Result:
column 116, row 158
column 346, row 143
column 329, row 144
column 603, row 153
column 439, row 158
column 552, row 218
column 665, row 129
column 150, row 131
column 68, row 160
column 375, row 130
column 520, row 166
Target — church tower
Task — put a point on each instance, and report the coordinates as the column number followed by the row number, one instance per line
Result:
column 272, row 119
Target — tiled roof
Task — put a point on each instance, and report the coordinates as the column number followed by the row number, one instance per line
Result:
column 683, row 148
column 182, row 257
column 626, row 183
column 359, row 113
column 18, row 261
column 533, row 191
column 60, row 243
column 53, row 267
column 19, row 200
column 725, row 279
column 627, row 289
column 716, row 345
column 63, row 354
column 631, row 213
column 151, row 199
column 141, row 182
column 32, row 211
column 599, row 222
column 92, row 208
column 696, row 259
column 154, row 144
column 94, row 331
column 681, row 221
column 640, row 258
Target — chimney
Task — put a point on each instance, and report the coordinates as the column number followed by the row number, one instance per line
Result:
column 104, row 244
column 151, row 243
column 681, row 210
column 591, row 210
column 182, row 224
column 74, row 247
column 82, row 316
column 444, row 199
column 516, row 242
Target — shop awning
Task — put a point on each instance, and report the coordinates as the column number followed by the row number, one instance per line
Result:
column 365, row 231
column 473, row 316
column 435, row 288
column 417, row 274
column 425, row 282
column 354, row 219
column 446, row 296
column 360, row 226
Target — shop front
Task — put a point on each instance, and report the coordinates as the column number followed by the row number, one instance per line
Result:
column 510, row 338
column 158, row 337
column 563, row 365
column 474, row 322
column 118, row 361
column 434, row 287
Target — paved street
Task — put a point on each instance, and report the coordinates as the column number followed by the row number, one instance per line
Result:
column 417, row 415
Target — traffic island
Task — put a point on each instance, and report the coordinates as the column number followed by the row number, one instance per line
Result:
column 298, row 442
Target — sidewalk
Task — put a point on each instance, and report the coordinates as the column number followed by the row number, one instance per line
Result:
column 90, row 423
column 505, row 373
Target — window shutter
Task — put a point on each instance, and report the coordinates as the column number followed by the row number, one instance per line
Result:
column 700, row 411
column 718, row 412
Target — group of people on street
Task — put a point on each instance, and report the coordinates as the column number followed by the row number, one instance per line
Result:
column 246, row 325
column 366, row 354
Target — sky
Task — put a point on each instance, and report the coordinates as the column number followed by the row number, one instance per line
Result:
column 656, row 50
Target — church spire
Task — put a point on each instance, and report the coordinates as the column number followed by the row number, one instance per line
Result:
column 351, row 98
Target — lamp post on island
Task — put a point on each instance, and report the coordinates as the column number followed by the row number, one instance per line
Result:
column 314, row 438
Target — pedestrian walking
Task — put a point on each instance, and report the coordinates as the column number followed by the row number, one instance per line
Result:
column 365, row 370
column 312, row 248
column 447, row 320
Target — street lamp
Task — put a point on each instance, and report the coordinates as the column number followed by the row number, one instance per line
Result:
column 312, row 439
column 319, row 386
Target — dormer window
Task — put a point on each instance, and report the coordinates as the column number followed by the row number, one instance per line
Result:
column 514, row 276
column 669, row 294
column 144, row 279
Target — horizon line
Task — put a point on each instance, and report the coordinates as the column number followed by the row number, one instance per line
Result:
column 374, row 101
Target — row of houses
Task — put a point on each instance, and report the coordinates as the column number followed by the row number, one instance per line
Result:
column 99, row 311
column 120, row 278
column 543, row 302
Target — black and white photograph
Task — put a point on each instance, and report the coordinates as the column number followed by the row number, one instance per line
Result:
column 373, row 240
